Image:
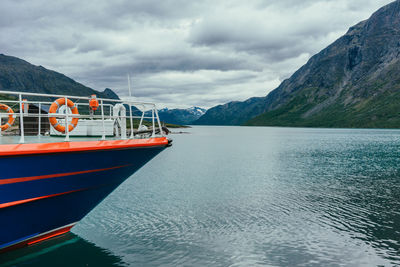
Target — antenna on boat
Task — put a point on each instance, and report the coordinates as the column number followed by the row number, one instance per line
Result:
column 129, row 85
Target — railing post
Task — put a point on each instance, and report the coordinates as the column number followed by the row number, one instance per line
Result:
column 159, row 124
column 103, row 137
column 130, row 111
column 153, row 124
column 141, row 119
column 40, row 118
column 66, row 120
column 21, row 120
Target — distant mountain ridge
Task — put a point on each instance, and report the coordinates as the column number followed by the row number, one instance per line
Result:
column 19, row 75
column 181, row 116
column 233, row 113
column 354, row 82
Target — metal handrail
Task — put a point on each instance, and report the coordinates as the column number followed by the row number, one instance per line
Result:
column 21, row 113
column 76, row 97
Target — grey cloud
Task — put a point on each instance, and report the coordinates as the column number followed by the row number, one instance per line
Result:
column 192, row 52
column 186, row 62
column 277, row 30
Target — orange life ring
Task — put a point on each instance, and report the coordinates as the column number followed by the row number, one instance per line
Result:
column 11, row 118
column 53, row 120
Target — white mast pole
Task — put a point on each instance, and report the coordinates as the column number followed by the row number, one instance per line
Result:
column 130, row 106
column 129, row 85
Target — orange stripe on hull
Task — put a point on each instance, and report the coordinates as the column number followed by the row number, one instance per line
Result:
column 62, row 147
column 39, row 238
column 48, row 176
column 19, row 202
column 50, row 235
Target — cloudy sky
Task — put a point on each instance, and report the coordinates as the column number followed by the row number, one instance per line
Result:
column 179, row 53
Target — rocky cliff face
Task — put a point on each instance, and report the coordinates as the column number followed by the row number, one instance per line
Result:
column 354, row 82
column 19, row 75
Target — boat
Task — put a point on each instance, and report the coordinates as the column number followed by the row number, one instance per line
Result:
column 49, row 183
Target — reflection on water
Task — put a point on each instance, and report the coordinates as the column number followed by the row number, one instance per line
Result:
column 239, row 196
column 66, row 250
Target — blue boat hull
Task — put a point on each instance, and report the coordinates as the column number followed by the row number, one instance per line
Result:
column 46, row 194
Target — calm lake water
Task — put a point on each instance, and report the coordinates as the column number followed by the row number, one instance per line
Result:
column 240, row 196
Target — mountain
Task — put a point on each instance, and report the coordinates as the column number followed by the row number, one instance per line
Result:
column 18, row 75
column 233, row 113
column 108, row 93
column 354, row 82
column 180, row 116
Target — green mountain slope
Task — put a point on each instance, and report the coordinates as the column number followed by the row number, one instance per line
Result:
column 19, row 75
column 233, row 113
column 354, row 82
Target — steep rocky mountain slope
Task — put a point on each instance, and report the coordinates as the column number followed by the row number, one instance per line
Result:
column 354, row 82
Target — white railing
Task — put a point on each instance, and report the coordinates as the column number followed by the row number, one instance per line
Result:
column 104, row 103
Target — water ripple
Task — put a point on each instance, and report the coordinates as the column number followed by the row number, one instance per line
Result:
column 279, row 197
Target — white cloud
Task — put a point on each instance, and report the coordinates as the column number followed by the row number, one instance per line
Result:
column 180, row 53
